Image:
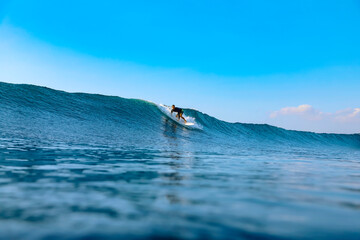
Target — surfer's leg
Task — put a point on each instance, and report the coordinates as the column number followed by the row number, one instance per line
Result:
column 181, row 115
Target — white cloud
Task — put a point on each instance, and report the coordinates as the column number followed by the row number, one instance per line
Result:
column 347, row 115
column 310, row 113
column 306, row 117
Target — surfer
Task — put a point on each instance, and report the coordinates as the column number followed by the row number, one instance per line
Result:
column 179, row 112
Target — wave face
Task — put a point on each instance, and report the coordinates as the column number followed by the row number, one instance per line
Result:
column 87, row 166
column 43, row 113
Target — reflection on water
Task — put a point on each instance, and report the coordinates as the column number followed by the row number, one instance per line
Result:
column 170, row 128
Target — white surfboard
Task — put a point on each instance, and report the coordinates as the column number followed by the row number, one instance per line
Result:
column 190, row 122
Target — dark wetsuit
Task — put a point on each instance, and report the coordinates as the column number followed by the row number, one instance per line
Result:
column 178, row 110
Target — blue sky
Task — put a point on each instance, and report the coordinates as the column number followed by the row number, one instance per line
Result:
column 240, row 61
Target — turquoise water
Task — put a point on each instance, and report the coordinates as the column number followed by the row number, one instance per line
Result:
column 82, row 166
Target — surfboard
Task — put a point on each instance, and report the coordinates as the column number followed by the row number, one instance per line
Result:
column 167, row 111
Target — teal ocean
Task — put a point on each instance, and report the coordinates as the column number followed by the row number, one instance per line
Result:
column 87, row 166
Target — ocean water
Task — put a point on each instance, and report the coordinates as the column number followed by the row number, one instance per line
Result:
column 85, row 166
